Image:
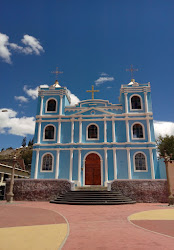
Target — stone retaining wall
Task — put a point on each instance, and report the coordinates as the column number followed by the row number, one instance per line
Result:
column 38, row 190
column 151, row 191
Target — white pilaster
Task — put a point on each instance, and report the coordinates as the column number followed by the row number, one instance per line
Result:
column 148, row 130
column 36, row 164
column 115, row 163
column 71, row 165
column 145, row 101
column 79, row 168
column 126, row 102
column 113, row 131
column 72, row 131
column 2, row 178
column 59, row 132
column 127, row 131
column 39, row 132
column 80, row 130
column 105, row 131
column 129, row 164
column 60, row 105
column 57, row 164
column 41, row 105
column 152, row 163
column 106, row 166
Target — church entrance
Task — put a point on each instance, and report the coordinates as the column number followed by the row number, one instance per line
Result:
column 92, row 170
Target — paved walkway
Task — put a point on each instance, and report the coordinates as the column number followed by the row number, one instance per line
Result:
column 91, row 227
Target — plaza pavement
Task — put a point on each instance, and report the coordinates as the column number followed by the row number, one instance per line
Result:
column 45, row 226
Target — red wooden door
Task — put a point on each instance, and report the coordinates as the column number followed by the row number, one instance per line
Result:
column 92, row 170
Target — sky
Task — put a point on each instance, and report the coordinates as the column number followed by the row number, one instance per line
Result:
column 93, row 42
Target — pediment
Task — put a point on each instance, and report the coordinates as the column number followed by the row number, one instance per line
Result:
column 93, row 111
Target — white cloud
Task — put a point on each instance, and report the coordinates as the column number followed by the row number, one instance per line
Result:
column 103, row 74
column 4, row 51
column 33, row 46
column 33, row 93
column 10, row 124
column 74, row 98
column 21, row 98
column 109, row 87
column 103, row 79
column 163, row 128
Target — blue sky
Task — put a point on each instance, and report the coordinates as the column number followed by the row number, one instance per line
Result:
column 84, row 39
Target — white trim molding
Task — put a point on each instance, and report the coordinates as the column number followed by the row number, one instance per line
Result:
column 46, row 106
column 54, row 132
column 47, row 171
column 79, row 167
column 60, row 105
column 106, row 166
column 101, row 166
column 129, row 164
column 36, row 164
column 92, row 139
column 132, row 136
column 71, row 165
column 39, row 132
column 41, row 105
column 115, row 163
column 59, row 132
column 130, row 103
column 151, row 164
column 57, row 164
column 140, row 152
column 125, row 102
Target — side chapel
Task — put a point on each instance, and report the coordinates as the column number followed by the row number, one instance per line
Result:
column 95, row 141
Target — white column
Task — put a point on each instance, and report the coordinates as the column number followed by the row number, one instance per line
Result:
column 59, row 132
column 126, row 103
column 129, row 164
column 60, row 105
column 145, row 101
column 2, row 178
column 39, row 132
column 80, row 130
column 151, row 163
column 57, row 164
column 105, row 131
column 41, row 105
column 115, row 163
column 36, row 164
column 127, row 130
column 71, row 165
column 148, row 130
column 113, row 130
column 72, row 131
column 79, row 168
column 106, row 166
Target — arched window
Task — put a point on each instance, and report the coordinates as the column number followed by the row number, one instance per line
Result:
column 92, row 132
column 140, row 162
column 49, row 132
column 51, row 105
column 137, row 131
column 47, row 162
column 136, row 102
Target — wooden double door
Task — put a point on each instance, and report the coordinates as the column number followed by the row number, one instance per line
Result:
column 92, row 170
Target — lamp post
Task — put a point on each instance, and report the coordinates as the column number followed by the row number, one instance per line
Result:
column 167, row 159
column 11, row 194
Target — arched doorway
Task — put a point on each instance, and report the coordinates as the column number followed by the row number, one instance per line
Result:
column 92, row 170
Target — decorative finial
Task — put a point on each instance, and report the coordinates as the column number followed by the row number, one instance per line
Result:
column 57, row 72
column 132, row 70
column 92, row 91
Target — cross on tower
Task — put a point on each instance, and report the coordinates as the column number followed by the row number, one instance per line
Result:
column 131, row 70
column 92, row 91
column 56, row 72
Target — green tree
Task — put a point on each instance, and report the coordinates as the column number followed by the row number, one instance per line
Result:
column 166, row 143
column 24, row 142
column 27, row 156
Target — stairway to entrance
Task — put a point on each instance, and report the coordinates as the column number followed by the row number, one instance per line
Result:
column 95, row 195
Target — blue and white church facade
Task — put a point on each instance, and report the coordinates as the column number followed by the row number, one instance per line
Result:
column 95, row 141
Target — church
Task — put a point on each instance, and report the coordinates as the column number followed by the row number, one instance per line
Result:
column 95, row 142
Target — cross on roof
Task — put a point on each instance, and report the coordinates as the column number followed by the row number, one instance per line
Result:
column 92, row 91
column 131, row 70
column 56, row 72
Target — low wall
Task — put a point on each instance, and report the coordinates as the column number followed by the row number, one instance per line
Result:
column 38, row 190
column 151, row 191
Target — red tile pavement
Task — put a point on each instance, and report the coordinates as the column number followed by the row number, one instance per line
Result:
column 159, row 226
column 106, row 227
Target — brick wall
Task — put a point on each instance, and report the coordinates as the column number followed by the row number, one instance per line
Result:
column 143, row 190
column 38, row 190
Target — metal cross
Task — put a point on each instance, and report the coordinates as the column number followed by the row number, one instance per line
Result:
column 56, row 72
column 92, row 91
column 131, row 70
